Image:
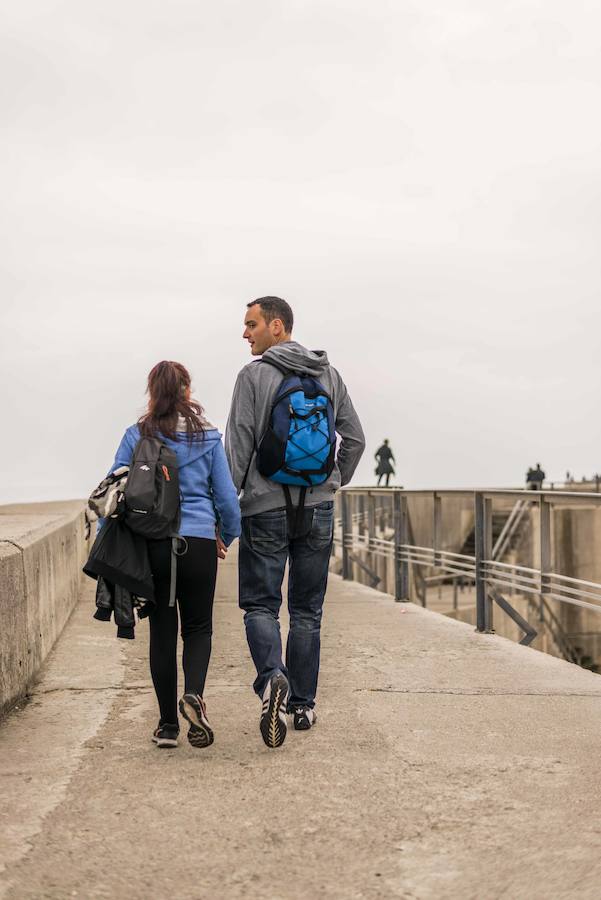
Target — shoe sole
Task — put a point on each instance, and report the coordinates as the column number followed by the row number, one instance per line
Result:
column 199, row 733
column 165, row 743
column 273, row 730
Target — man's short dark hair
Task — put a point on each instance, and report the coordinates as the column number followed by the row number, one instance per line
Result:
column 275, row 308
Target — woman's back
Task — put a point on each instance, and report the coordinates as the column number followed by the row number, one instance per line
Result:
column 205, row 481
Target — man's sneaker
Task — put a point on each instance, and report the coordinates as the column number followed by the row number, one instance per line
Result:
column 165, row 735
column 193, row 708
column 304, row 717
column 273, row 714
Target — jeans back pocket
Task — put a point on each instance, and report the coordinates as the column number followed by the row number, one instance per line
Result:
column 322, row 527
column 267, row 532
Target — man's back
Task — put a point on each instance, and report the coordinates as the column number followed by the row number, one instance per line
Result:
column 254, row 392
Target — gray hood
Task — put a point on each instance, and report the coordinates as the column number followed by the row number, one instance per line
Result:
column 297, row 358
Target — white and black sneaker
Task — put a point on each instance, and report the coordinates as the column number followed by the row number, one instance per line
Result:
column 304, row 717
column 193, row 708
column 165, row 735
column 273, row 714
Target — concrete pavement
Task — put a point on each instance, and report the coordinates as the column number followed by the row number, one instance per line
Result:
column 445, row 764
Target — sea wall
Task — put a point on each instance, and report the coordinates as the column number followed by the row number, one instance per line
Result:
column 42, row 551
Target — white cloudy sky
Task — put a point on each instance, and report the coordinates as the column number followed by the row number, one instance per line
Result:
column 420, row 179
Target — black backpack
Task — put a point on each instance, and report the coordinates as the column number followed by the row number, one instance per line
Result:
column 152, row 497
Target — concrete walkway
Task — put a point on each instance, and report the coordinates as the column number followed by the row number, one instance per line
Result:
column 444, row 765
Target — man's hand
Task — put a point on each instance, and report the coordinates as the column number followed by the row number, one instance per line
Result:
column 221, row 548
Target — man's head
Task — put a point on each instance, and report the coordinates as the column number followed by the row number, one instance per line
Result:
column 268, row 321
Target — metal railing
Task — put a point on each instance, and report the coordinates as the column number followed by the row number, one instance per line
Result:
column 359, row 509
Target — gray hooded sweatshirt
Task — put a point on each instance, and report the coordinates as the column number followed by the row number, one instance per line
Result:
column 253, row 396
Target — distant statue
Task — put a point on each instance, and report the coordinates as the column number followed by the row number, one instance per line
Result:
column 385, row 458
column 535, row 478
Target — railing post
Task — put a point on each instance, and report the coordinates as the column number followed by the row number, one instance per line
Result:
column 347, row 534
column 361, row 524
column 545, row 553
column 401, row 566
column 371, row 530
column 437, row 529
column 371, row 515
column 404, row 540
column 483, row 537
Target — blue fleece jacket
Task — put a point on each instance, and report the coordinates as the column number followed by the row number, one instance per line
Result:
column 205, row 483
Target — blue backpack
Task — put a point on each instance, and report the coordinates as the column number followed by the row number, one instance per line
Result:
column 299, row 444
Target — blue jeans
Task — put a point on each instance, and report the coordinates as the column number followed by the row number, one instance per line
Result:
column 265, row 547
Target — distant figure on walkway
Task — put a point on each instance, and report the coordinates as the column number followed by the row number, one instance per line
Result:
column 535, row 478
column 385, row 458
column 209, row 520
column 280, row 441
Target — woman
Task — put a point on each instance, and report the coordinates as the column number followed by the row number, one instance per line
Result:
column 208, row 497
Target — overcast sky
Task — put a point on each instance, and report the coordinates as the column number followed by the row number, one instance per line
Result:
column 421, row 180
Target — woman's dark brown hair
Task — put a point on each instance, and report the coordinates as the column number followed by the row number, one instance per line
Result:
column 168, row 392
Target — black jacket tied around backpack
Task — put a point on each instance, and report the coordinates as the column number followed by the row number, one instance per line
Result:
column 119, row 562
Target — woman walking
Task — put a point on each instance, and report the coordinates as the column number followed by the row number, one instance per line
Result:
column 210, row 521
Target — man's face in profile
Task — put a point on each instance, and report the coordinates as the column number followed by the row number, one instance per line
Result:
column 257, row 331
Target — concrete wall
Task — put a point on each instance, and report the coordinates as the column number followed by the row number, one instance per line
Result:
column 577, row 548
column 42, row 551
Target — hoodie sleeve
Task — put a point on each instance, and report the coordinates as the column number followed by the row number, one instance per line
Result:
column 225, row 496
column 240, row 429
column 123, row 457
column 348, row 426
column 125, row 450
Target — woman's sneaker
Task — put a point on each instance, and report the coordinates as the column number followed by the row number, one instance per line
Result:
column 165, row 735
column 193, row 708
column 304, row 717
column 273, row 713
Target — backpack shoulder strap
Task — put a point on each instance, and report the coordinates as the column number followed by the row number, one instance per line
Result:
column 150, row 447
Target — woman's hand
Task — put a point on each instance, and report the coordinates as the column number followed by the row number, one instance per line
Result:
column 221, row 548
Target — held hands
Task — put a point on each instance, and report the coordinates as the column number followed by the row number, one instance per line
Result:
column 221, row 548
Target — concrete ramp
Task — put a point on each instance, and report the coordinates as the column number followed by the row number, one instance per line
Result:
column 444, row 764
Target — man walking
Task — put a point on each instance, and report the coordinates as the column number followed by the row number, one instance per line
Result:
column 281, row 521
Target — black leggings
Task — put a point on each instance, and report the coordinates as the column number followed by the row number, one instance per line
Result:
column 196, row 575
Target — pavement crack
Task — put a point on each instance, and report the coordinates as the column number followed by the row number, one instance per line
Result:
column 86, row 690
column 12, row 543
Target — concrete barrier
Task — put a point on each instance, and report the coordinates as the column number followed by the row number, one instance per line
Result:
column 42, row 551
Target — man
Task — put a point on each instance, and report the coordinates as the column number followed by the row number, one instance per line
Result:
column 270, row 536
column 385, row 458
